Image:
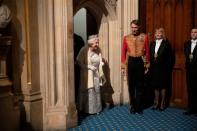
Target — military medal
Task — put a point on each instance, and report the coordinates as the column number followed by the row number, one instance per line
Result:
column 155, row 55
column 191, row 57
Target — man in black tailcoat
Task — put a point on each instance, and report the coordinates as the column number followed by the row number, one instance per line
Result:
column 190, row 50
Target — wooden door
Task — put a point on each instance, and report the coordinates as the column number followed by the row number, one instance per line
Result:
column 177, row 17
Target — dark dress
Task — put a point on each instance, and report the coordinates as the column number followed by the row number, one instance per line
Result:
column 160, row 66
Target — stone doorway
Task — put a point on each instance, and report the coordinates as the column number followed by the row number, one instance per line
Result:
column 52, row 88
column 106, row 25
column 84, row 25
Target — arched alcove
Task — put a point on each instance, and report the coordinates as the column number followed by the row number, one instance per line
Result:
column 110, row 39
column 54, row 27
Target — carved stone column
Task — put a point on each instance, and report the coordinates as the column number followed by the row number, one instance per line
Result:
column 57, row 64
column 130, row 12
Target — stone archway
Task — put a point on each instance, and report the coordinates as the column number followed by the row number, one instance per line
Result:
column 54, row 24
column 107, row 22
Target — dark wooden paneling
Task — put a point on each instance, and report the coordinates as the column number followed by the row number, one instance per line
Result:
column 195, row 12
column 142, row 14
column 176, row 17
column 149, row 16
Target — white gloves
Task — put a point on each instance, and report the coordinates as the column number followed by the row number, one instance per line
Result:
column 102, row 80
column 91, row 67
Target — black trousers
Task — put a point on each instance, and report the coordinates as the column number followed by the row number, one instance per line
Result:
column 192, row 89
column 136, row 82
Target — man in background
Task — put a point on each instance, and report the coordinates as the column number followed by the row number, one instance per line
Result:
column 190, row 51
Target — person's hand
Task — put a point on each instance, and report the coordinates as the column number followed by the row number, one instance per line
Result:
column 91, row 67
column 146, row 70
column 147, row 66
column 123, row 71
column 102, row 80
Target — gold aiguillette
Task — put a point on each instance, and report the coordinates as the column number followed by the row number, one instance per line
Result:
column 155, row 55
column 191, row 57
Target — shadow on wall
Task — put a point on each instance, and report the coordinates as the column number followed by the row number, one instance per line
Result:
column 14, row 108
column 18, row 55
column 107, row 90
column 78, row 44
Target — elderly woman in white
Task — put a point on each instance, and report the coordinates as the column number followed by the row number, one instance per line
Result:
column 91, row 76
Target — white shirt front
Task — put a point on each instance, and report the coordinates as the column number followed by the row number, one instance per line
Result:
column 193, row 45
column 158, row 43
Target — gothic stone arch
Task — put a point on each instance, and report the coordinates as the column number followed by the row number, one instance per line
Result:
column 105, row 14
column 54, row 25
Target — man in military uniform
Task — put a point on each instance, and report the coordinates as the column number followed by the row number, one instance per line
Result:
column 135, row 59
column 190, row 50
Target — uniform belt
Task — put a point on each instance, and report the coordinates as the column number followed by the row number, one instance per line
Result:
column 135, row 58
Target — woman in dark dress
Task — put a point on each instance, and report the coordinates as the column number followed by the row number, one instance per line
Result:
column 160, row 67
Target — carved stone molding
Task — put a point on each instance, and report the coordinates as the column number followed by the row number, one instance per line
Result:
column 112, row 3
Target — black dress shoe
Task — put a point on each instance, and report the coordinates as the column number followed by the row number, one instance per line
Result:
column 140, row 112
column 161, row 108
column 132, row 111
column 111, row 106
column 188, row 113
column 155, row 108
column 83, row 114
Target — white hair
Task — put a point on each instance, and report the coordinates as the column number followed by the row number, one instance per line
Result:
column 93, row 38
